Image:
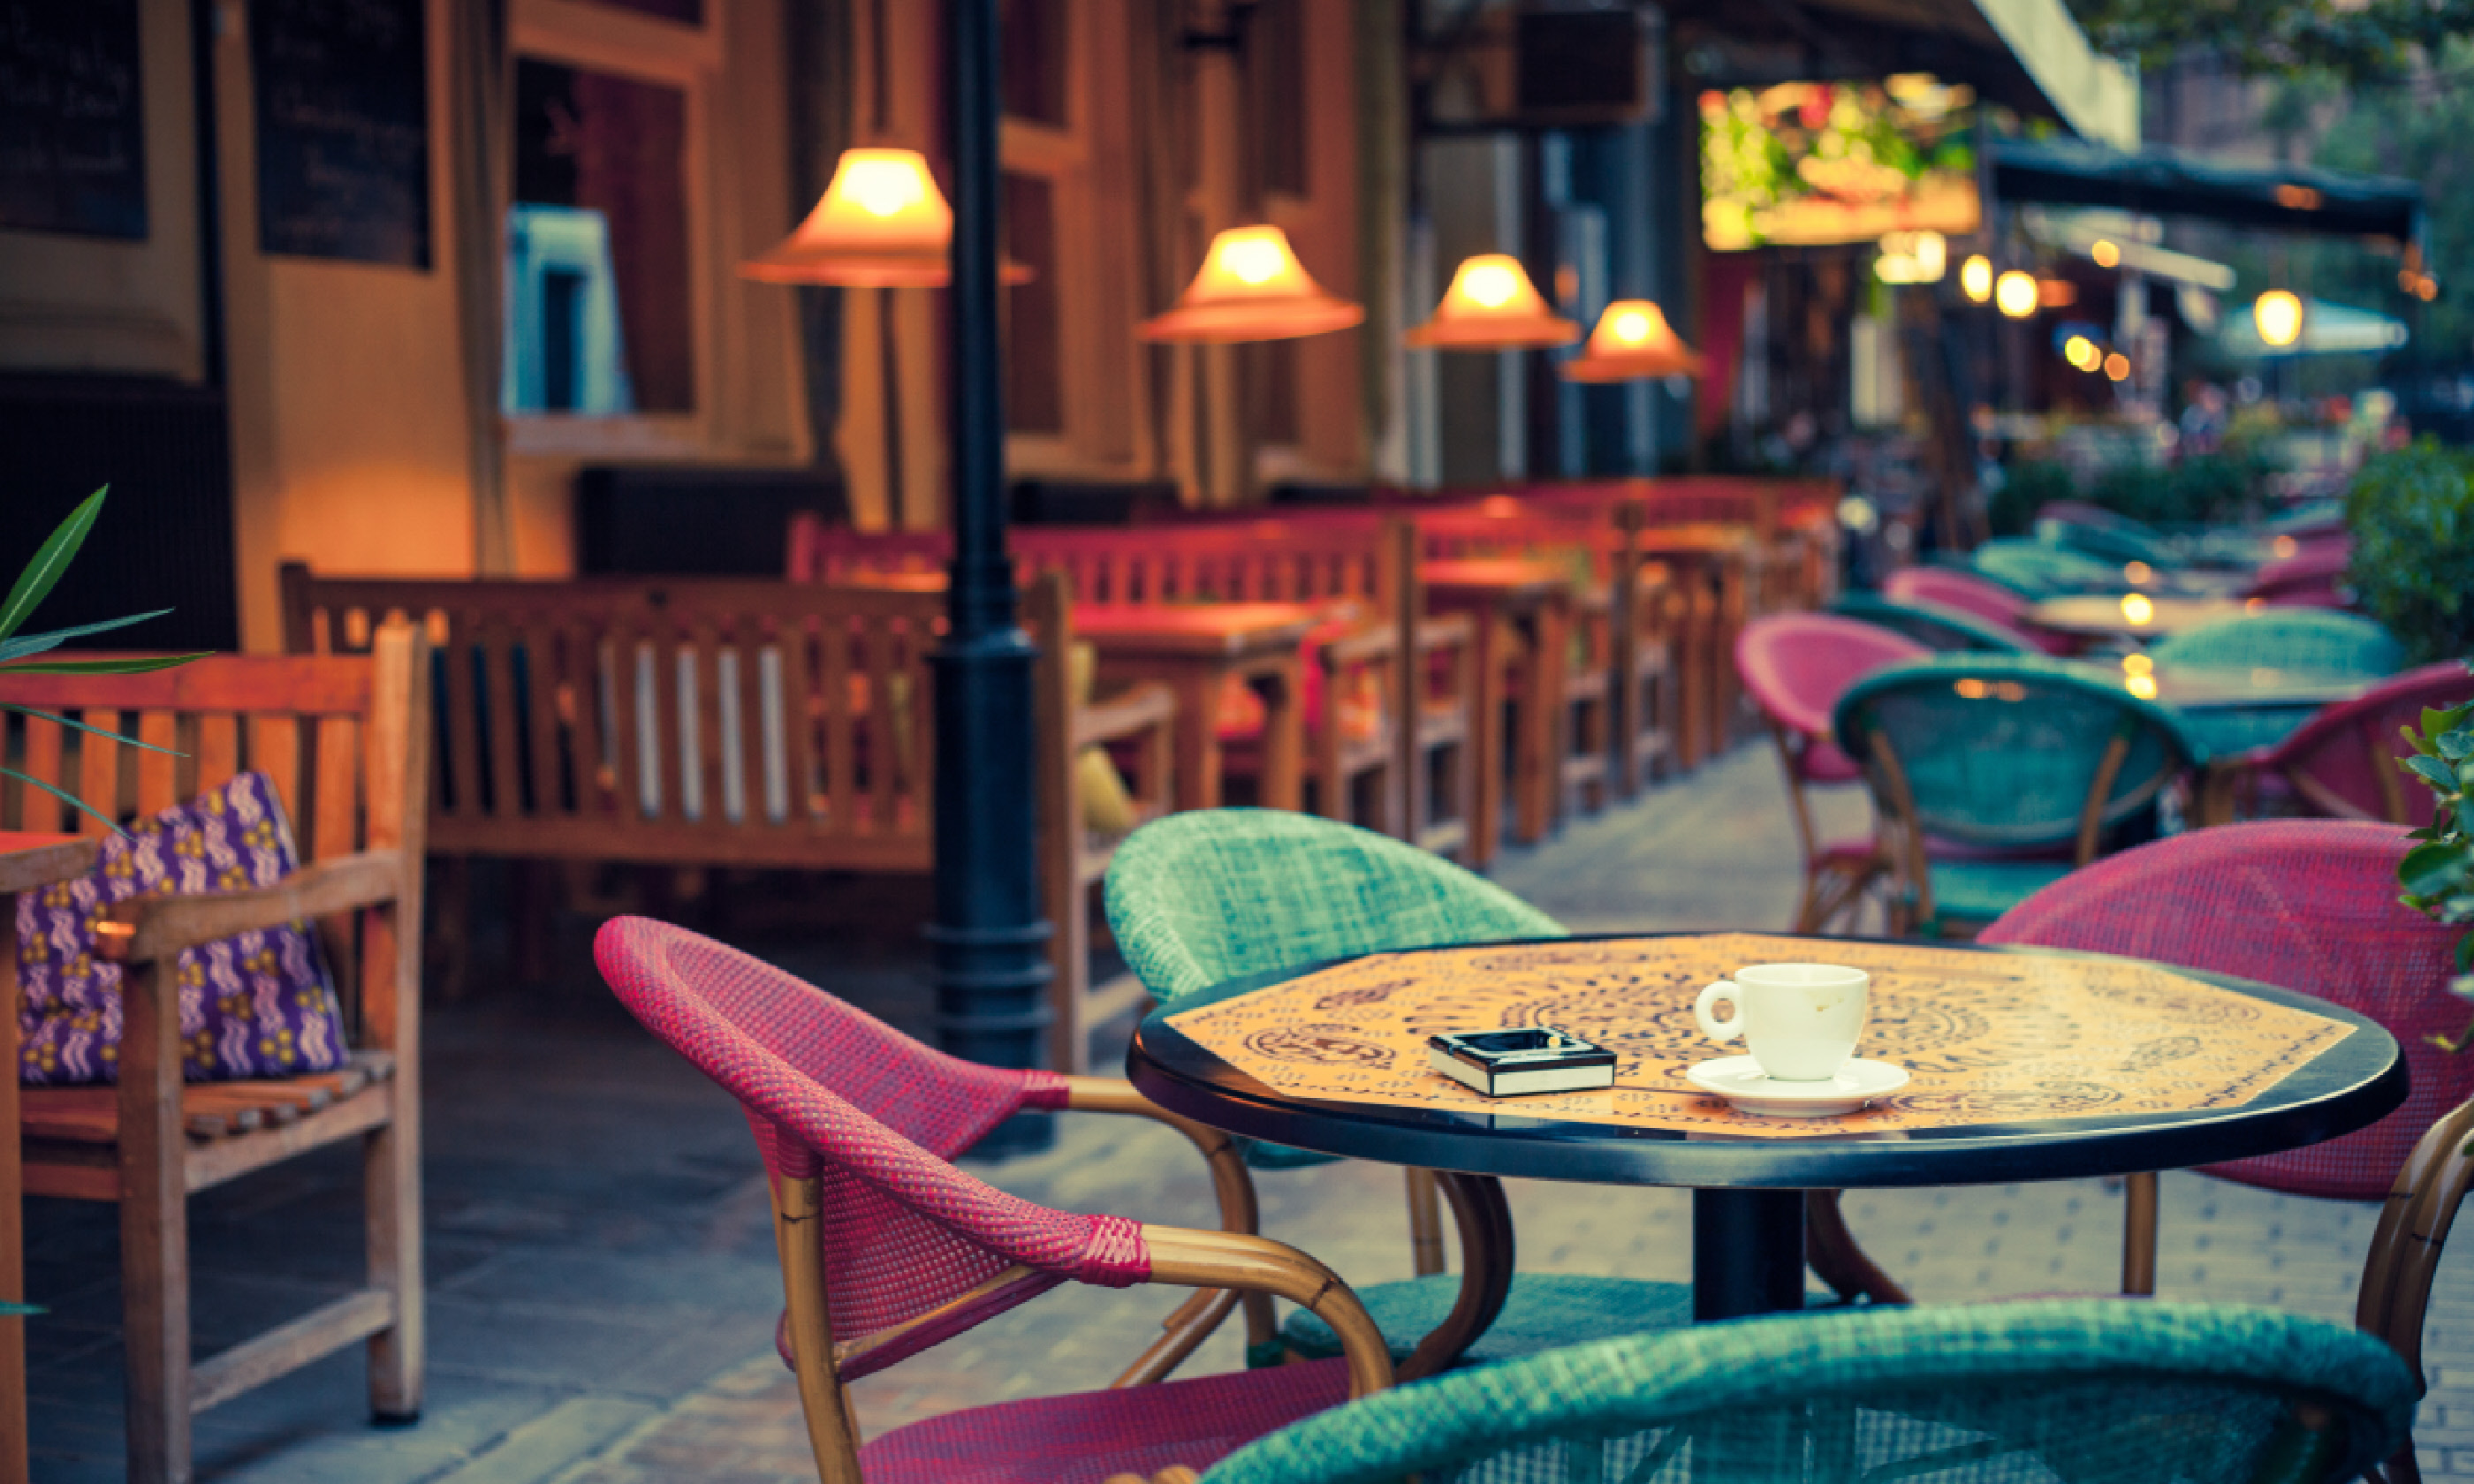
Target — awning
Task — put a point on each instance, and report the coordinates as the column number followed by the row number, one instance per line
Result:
column 2025, row 53
column 2327, row 329
column 2157, row 181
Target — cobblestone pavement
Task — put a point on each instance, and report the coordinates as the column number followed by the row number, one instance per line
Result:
column 604, row 1284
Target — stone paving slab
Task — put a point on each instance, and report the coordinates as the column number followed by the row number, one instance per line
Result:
column 603, row 1283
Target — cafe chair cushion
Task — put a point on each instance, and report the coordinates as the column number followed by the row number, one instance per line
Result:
column 2303, row 905
column 2095, row 1392
column 260, row 1005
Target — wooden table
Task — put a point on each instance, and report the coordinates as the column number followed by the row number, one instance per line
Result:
column 1519, row 606
column 26, row 862
column 2095, row 616
column 1196, row 649
column 1748, row 1191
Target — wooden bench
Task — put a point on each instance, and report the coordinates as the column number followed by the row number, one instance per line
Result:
column 732, row 724
column 1420, row 755
column 345, row 740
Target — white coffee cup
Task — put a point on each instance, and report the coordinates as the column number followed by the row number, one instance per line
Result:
column 1800, row 1021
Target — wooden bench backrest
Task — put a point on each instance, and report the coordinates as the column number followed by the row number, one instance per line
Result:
column 344, row 738
column 719, row 721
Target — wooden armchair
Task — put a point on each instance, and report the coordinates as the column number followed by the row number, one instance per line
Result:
column 346, row 741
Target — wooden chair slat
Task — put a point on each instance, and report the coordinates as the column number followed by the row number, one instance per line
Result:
column 461, row 795
column 497, row 646
column 336, row 795
column 98, row 772
column 218, row 749
column 157, row 787
column 41, row 812
column 760, row 729
column 839, row 720
column 623, row 663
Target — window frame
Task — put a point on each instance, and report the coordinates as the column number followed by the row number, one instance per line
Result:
column 671, row 54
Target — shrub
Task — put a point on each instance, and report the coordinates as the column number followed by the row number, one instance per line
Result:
column 2027, row 489
column 2411, row 513
column 2209, row 487
column 2138, row 491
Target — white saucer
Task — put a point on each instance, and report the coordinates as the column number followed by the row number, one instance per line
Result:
column 1740, row 1081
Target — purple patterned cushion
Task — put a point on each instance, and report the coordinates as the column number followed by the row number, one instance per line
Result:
column 256, row 1005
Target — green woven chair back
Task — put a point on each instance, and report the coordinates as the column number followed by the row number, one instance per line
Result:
column 2006, row 751
column 2288, row 638
column 1933, row 625
column 2083, row 1391
column 1202, row 896
column 2035, row 570
column 2115, row 544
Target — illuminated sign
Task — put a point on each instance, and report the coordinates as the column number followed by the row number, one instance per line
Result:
column 1805, row 164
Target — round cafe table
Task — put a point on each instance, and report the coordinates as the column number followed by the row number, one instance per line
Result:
column 1748, row 1233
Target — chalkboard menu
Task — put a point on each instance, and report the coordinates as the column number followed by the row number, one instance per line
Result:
column 343, row 129
column 72, row 133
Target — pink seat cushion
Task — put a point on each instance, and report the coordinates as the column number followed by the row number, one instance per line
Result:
column 1086, row 1437
column 1824, row 764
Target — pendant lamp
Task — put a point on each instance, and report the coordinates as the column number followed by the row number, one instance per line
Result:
column 881, row 223
column 1250, row 287
column 1632, row 341
column 1491, row 305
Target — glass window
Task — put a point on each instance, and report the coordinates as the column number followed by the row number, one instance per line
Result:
column 1034, row 372
column 1030, row 69
column 599, row 317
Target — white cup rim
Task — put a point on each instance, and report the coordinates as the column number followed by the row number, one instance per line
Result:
column 1797, row 976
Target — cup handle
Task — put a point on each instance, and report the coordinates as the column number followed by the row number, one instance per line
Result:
column 1724, row 990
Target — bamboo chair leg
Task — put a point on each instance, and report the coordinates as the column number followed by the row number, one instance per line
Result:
column 2138, row 1234
column 1831, row 1251
column 1425, row 1224
column 391, row 1176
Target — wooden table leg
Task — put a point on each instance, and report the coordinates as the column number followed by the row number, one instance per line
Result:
column 1283, row 736
column 13, row 1225
column 1484, row 1222
column 1485, row 746
column 1198, row 739
column 1536, row 765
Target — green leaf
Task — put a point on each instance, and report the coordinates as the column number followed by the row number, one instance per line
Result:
column 138, row 665
column 28, row 710
column 50, row 561
column 2418, row 740
column 6, row 1307
column 2455, row 745
column 2428, row 869
column 35, row 643
column 2432, row 770
column 71, row 800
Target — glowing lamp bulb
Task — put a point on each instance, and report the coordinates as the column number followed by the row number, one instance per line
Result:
column 884, row 187
column 2136, row 607
column 1250, row 259
column 1490, row 285
column 2137, row 664
column 1975, row 279
column 2278, row 313
column 2138, row 573
column 2080, row 351
column 1631, row 329
column 2015, row 293
column 2105, row 253
column 2143, row 687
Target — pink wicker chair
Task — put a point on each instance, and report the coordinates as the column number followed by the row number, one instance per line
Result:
column 2341, row 763
column 887, row 1249
column 2303, row 905
column 2313, row 577
column 1970, row 593
column 1796, row 666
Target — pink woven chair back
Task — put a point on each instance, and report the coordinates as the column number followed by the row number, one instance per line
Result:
column 2303, row 905
column 2314, row 574
column 2351, row 748
column 1797, row 665
column 837, row 1093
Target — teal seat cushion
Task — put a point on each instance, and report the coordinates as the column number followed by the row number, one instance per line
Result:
column 1978, row 891
column 1543, row 1311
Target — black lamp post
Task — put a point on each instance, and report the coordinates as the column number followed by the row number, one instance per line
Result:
column 989, row 937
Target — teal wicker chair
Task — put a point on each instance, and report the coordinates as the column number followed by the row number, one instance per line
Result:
column 2033, row 570
column 2087, row 1392
column 1936, row 626
column 1201, row 898
column 2014, row 769
column 2321, row 640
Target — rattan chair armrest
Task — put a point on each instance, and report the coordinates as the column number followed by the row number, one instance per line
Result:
column 146, row 929
column 1258, row 1264
column 1128, row 713
column 1233, row 1186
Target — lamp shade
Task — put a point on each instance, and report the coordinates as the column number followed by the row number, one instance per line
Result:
column 1491, row 305
column 1633, row 340
column 881, row 223
column 1251, row 287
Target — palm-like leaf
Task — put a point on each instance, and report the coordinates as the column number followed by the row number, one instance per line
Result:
column 25, row 644
column 50, row 560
